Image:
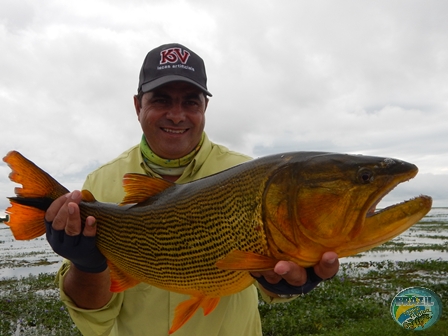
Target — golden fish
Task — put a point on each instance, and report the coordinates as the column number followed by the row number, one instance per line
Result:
column 202, row 238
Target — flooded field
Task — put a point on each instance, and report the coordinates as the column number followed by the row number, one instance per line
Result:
column 356, row 300
column 426, row 240
column 21, row 258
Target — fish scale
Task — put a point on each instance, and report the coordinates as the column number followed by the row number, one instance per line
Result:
column 173, row 234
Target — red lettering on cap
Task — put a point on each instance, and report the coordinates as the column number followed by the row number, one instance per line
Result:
column 172, row 55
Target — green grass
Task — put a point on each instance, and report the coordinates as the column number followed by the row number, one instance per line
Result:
column 355, row 302
column 31, row 306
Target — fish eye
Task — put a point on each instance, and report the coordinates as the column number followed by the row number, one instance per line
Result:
column 365, row 176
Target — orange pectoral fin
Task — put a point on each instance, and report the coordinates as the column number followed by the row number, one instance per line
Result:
column 120, row 281
column 246, row 261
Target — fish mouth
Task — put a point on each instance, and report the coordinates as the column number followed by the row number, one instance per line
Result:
column 396, row 218
column 381, row 225
column 372, row 211
column 410, row 172
column 385, row 224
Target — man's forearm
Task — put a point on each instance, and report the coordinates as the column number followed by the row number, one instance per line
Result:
column 88, row 290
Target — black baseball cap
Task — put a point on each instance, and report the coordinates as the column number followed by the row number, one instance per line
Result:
column 169, row 63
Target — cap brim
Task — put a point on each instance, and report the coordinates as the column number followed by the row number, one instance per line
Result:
column 168, row 79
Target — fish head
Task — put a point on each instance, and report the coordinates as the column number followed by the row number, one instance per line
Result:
column 326, row 201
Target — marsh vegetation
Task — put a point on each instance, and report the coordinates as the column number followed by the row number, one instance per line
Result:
column 355, row 302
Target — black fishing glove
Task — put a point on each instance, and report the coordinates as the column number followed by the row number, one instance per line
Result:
column 80, row 250
column 283, row 288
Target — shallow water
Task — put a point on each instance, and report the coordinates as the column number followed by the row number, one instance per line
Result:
column 21, row 258
column 396, row 256
column 430, row 236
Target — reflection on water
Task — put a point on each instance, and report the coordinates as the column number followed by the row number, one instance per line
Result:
column 397, row 256
column 21, row 258
column 28, row 270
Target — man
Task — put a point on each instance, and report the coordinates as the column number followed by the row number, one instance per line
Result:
column 170, row 105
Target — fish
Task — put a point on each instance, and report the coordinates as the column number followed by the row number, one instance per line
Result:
column 418, row 321
column 203, row 238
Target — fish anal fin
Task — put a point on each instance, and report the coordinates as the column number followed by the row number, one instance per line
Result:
column 246, row 261
column 25, row 222
column 119, row 280
column 209, row 304
column 185, row 310
column 139, row 187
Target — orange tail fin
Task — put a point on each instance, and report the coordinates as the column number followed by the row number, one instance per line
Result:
column 38, row 191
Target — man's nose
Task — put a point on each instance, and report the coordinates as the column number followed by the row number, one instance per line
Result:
column 176, row 113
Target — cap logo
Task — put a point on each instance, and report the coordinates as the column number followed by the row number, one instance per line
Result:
column 173, row 55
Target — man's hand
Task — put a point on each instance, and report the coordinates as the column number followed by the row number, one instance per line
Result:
column 69, row 239
column 289, row 278
column 87, row 283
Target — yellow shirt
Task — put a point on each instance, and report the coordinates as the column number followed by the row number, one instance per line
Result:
column 148, row 310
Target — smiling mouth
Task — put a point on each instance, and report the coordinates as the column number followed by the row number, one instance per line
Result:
column 174, row 131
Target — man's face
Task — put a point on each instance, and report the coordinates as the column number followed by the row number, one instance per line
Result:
column 172, row 118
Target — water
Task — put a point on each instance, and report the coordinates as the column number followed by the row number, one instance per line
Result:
column 24, row 257
column 430, row 236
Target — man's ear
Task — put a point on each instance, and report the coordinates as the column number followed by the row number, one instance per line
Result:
column 137, row 105
column 206, row 103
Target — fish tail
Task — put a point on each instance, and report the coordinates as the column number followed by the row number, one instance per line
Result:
column 38, row 191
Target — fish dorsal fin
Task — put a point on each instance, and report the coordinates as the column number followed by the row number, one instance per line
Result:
column 185, row 310
column 87, row 196
column 120, row 281
column 139, row 187
column 246, row 261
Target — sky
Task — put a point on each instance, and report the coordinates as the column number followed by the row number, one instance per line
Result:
column 342, row 76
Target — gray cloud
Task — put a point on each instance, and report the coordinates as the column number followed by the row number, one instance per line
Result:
column 349, row 76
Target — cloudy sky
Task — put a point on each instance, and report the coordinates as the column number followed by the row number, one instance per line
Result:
column 344, row 76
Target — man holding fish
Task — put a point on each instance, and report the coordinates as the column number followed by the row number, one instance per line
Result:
column 170, row 104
